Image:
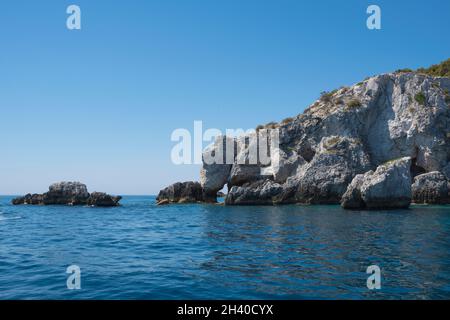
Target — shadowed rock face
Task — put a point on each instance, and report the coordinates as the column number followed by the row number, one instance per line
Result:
column 325, row 179
column 68, row 193
column 431, row 188
column 256, row 193
column 34, row 199
column 71, row 193
column 181, row 192
column 353, row 131
column 101, row 199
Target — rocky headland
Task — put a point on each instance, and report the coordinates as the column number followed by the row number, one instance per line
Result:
column 69, row 193
column 379, row 144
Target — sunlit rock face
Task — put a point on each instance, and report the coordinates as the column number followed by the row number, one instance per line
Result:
column 350, row 131
column 388, row 187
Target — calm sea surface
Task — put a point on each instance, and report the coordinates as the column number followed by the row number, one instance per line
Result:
column 141, row 251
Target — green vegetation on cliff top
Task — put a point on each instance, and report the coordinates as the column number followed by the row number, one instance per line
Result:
column 438, row 70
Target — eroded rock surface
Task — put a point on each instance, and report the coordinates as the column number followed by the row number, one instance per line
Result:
column 263, row 192
column 431, row 188
column 101, row 199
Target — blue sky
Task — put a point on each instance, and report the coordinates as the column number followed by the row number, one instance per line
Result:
column 98, row 105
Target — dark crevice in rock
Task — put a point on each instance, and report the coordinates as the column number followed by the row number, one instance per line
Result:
column 415, row 169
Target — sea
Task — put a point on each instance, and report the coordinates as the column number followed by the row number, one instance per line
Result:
column 194, row 251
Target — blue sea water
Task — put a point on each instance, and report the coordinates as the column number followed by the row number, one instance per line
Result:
column 142, row 251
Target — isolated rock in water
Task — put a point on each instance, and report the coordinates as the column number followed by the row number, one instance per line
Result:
column 101, row 199
column 431, row 188
column 256, row 193
column 216, row 167
column 34, row 199
column 325, row 179
column 389, row 187
column 181, row 192
column 68, row 193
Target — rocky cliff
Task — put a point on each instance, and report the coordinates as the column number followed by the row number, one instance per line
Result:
column 385, row 132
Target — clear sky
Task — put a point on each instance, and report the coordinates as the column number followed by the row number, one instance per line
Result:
column 98, row 105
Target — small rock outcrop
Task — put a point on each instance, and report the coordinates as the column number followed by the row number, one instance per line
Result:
column 101, row 199
column 34, row 199
column 68, row 193
column 389, row 187
column 181, row 192
column 431, row 188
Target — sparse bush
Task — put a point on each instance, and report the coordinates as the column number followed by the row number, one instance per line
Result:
column 405, row 70
column 326, row 96
column 330, row 144
column 271, row 125
column 287, row 120
column 437, row 70
column 291, row 149
column 344, row 89
column 436, row 85
column 332, row 141
column 447, row 97
column 389, row 162
column 420, row 98
column 354, row 103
